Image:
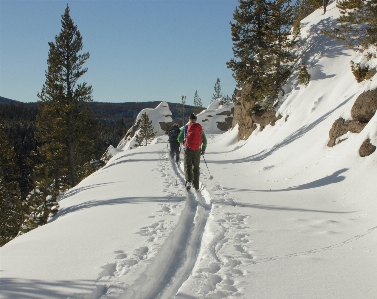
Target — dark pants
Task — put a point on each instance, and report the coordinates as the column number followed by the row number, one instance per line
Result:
column 192, row 169
column 174, row 149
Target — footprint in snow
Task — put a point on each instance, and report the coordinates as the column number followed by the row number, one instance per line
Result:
column 108, row 270
column 141, row 252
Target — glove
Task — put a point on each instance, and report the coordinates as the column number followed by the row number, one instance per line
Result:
column 203, row 151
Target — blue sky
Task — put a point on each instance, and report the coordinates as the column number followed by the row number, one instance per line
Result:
column 140, row 50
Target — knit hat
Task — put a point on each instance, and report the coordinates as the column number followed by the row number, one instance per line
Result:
column 193, row 116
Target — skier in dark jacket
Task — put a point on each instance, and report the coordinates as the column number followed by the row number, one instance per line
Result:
column 194, row 143
column 173, row 133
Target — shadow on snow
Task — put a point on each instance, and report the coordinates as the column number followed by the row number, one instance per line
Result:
column 12, row 288
column 288, row 140
column 114, row 201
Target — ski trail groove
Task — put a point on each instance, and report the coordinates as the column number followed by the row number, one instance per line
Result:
column 175, row 260
column 313, row 251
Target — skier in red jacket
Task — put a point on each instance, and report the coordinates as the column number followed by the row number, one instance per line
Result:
column 194, row 144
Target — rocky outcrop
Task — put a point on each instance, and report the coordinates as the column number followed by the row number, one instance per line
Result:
column 362, row 111
column 227, row 124
column 241, row 117
column 165, row 126
column 341, row 127
column 265, row 118
column 247, row 122
column 366, row 148
column 365, row 106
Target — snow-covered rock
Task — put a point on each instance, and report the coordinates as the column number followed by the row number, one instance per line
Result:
column 217, row 118
column 159, row 116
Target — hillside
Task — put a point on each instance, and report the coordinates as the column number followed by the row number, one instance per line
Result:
column 285, row 215
column 112, row 113
column 6, row 101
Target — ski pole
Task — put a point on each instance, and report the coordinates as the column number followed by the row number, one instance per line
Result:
column 210, row 176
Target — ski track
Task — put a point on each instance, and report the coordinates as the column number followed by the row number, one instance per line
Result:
column 169, row 257
column 177, row 256
column 158, row 269
column 186, row 243
column 313, row 251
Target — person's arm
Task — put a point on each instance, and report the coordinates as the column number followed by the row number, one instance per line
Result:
column 181, row 135
column 204, row 144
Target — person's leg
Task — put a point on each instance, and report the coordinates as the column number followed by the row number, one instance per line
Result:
column 177, row 153
column 188, row 165
column 171, row 150
column 196, row 168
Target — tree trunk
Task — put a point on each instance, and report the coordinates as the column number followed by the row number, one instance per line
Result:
column 325, row 3
column 72, row 170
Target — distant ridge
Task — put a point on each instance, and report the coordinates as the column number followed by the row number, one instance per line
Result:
column 7, row 101
column 113, row 112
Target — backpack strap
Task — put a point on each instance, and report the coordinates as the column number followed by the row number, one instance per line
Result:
column 184, row 133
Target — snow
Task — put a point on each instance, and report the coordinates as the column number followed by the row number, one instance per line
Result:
column 284, row 217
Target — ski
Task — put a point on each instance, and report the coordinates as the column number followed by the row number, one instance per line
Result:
column 188, row 186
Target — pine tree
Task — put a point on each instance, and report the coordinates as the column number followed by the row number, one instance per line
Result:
column 217, row 88
column 325, row 3
column 42, row 200
column 197, row 103
column 146, row 132
column 280, row 23
column 303, row 75
column 226, row 100
column 65, row 129
column 235, row 94
column 11, row 213
column 250, row 44
column 303, row 8
column 358, row 20
column 262, row 48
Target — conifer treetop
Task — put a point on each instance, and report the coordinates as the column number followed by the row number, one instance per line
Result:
column 65, row 65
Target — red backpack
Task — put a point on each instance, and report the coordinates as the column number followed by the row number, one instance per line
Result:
column 193, row 136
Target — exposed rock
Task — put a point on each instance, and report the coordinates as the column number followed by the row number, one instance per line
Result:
column 362, row 111
column 265, row 118
column 165, row 126
column 227, row 113
column 225, row 126
column 248, row 123
column 276, row 119
column 366, row 148
column 243, row 119
column 341, row 127
column 365, row 106
column 241, row 115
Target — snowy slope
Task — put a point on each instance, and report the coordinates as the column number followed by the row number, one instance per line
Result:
column 284, row 217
